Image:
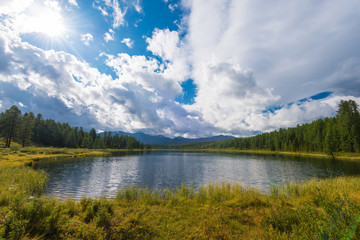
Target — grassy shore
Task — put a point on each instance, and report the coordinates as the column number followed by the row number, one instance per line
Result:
column 339, row 155
column 18, row 156
column 317, row 209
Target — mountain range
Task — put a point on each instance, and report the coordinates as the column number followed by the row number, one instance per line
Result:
column 162, row 140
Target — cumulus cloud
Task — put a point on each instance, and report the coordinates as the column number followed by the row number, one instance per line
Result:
column 243, row 56
column 164, row 43
column 167, row 45
column 346, row 77
column 139, row 99
column 227, row 94
column 86, row 39
column 109, row 36
column 298, row 113
column 286, row 44
column 128, row 42
column 246, row 56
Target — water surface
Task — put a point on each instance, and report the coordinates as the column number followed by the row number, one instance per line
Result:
column 93, row 177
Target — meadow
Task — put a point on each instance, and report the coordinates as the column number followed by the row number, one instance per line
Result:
column 317, row 209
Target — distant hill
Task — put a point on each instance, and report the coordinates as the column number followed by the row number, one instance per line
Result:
column 161, row 140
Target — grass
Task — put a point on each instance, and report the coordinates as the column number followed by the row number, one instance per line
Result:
column 316, row 209
column 338, row 155
column 18, row 156
column 326, row 209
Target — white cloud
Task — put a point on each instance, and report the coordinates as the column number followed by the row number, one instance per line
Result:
column 129, row 43
column 109, row 36
column 86, row 39
column 244, row 57
column 286, row 44
column 227, row 94
column 167, row 45
column 173, row 7
column 74, row 3
column 137, row 6
column 298, row 113
column 293, row 52
column 102, row 10
column 147, row 72
column 14, row 6
column 118, row 14
column 164, row 43
column 140, row 99
column 33, row 17
column 112, row 6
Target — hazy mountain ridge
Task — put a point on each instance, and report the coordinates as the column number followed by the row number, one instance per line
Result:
column 162, row 140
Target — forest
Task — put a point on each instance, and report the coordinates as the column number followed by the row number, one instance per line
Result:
column 30, row 130
column 336, row 134
column 329, row 135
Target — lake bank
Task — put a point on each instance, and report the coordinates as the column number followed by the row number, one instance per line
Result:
column 25, row 156
column 19, row 156
column 338, row 156
column 314, row 209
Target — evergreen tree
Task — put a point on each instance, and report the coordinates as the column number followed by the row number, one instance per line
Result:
column 329, row 143
column 71, row 140
column 8, row 124
column 26, row 128
column 93, row 134
column 87, row 142
column 99, row 143
column 37, row 128
column 80, row 136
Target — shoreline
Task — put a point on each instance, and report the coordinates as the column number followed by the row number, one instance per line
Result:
column 337, row 156
column 27, row 155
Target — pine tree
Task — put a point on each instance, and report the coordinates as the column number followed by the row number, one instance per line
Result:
column 26, row 128
column 329, row 143
column 9, row 123
column 93, row 134
column 87, row 142
column 71, row 140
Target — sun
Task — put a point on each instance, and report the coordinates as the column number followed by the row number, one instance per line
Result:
column 51, row 24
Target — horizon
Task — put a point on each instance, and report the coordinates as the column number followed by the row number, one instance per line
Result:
column 175, row 68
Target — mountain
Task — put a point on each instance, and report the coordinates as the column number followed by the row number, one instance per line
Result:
column 161, row 140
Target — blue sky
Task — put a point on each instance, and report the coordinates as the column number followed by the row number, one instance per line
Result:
column 187, row 68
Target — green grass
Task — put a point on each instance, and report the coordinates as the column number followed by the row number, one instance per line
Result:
column 316, row 209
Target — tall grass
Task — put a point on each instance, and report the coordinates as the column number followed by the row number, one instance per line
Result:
column 317, row 209
column 20, row 182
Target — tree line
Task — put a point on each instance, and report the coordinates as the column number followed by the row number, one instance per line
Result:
column 28, row 129
column 328, row 135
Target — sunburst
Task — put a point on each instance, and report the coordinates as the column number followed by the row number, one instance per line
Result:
column 51, row 24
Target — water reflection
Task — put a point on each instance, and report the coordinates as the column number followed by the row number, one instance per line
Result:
column 105, row 175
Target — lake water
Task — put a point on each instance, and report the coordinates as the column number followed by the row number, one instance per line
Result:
column 93, row 177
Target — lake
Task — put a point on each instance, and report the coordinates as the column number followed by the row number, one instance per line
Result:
column 93, row 177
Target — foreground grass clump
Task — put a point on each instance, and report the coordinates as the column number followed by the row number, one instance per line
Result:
column 317, row 209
